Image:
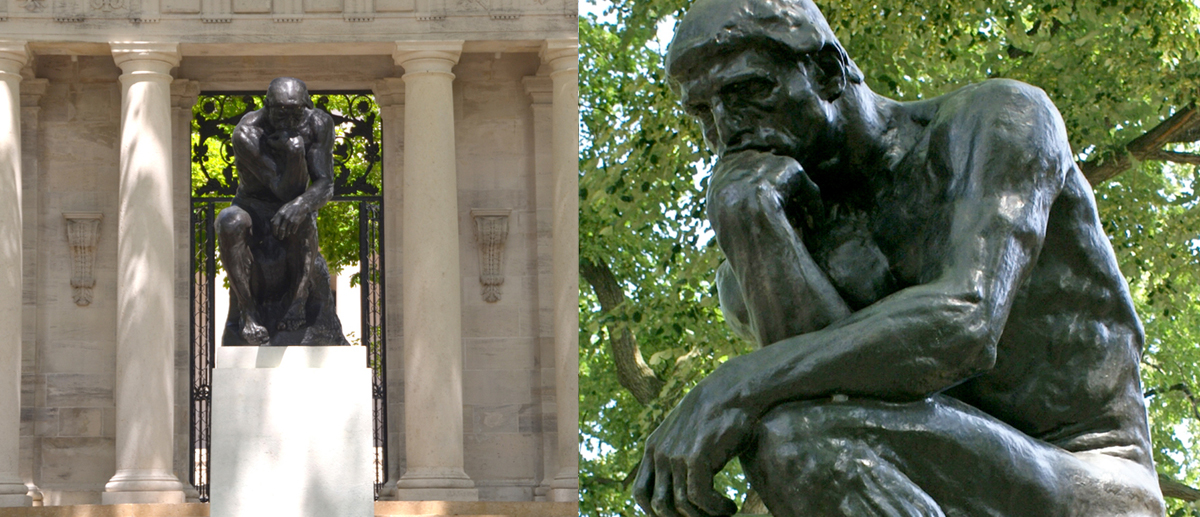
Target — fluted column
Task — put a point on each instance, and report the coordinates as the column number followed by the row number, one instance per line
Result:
column 13, row 55
column 563, row 58
column 145, row 379
column 433, row 315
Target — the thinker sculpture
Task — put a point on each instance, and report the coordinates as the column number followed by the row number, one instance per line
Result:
column 279, row 283
column 948, row 332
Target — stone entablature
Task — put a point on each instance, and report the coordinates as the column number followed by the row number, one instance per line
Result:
column 273, row 21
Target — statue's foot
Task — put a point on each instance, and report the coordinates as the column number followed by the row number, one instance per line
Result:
column 255, row 334
column 294, row 320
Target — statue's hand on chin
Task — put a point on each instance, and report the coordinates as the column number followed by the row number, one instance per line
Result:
column 703, row 433
column 771, row 174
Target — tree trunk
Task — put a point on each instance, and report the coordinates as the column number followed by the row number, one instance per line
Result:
column 632, row 371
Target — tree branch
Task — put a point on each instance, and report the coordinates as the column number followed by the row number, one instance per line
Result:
column 1183, row 126
column 1176, row 490
column 632, row 371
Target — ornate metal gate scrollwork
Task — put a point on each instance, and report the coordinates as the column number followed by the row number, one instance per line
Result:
column 356, row 211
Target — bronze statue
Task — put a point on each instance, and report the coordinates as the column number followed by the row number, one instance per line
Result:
column 944, row 328
column 279, row 283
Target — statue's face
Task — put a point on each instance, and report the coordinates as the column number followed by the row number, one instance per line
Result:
column 754, row 100
column 285, row 109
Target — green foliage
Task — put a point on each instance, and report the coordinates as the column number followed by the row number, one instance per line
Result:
column 1114, row 69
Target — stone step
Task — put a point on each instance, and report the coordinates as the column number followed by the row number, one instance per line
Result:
column 382, row 509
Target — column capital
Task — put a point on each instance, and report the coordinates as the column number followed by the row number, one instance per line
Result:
column 32, row 91
column 560, row 54
column 539, row 87
column 184, row 93
column 389, row 91
column 427, row 56
column 140, row 57
column 13, row 56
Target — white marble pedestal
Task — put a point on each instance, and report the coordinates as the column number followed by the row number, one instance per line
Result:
column 291, row 432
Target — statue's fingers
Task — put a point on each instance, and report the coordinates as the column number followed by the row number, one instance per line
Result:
column 643, row 484
column 663, row 501
column 679, row 477
column 700, row 492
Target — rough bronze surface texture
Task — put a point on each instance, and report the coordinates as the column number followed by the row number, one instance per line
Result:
column 279, row 283
column 942, row 326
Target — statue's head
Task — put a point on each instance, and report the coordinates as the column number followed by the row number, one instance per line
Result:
column 286, row 100
column 760, row 74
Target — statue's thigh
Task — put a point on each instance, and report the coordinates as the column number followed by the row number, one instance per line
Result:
column 813, row 458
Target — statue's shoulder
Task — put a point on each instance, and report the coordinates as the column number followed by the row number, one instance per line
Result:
column 252, row 119
column 998, row 110
column 320, row 118
column 997, row 99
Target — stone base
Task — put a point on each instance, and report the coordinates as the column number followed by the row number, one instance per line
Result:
column 135, row 486
column 437, row 494
column 382, row 509
column 171, row 497
column 564, row 488
column 436, row 484
column 563, row 495
column 15, row 500
column 475, row 509
column 115, row 510
column 291, row 433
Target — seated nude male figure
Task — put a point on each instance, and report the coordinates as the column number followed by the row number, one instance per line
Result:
column 279, row 283
column 948, row 332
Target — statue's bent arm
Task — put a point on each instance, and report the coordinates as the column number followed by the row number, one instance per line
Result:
column 783, row 292
column 929, row 337
column 248, row 151
column 320, row 163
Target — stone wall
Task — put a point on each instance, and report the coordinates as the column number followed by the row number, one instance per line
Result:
column 68, row 418
column 494, row 124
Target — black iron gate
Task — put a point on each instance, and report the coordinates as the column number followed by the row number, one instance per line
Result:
column 351, row 230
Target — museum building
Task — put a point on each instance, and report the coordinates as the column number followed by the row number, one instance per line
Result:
column 467, row 237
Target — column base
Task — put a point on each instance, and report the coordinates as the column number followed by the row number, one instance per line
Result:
column 437, row 494
column 13, row 493
column 134, row 486
column 388, row 492
column 436, row 484
column 15, row 500
column 564, row 488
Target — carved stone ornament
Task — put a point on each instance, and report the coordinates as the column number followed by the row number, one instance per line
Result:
column 491, row 231
column 83, row 232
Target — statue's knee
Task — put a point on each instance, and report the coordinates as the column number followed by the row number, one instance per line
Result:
column 792, row 436
column 232, row 221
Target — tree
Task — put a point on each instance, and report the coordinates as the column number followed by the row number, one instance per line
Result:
column 1124, row 75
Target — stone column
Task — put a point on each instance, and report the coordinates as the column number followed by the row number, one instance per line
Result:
column 145, row 381
column 389, row 94
column 13, row 55
column 563, row 58
column 433, row 317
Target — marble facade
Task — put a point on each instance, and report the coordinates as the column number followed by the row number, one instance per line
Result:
column 102, row 90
